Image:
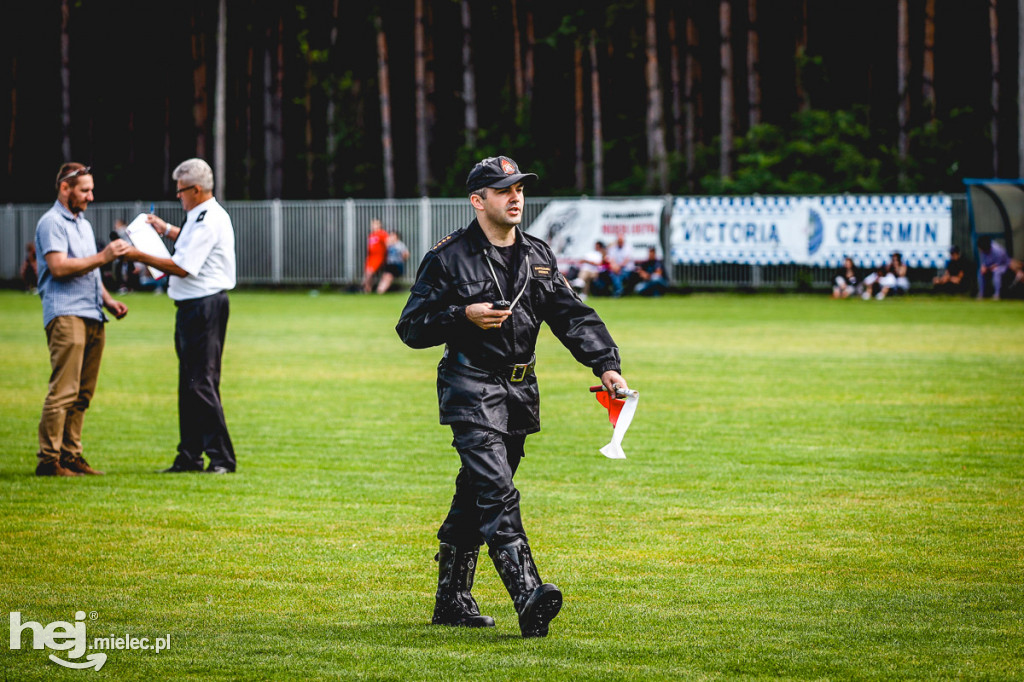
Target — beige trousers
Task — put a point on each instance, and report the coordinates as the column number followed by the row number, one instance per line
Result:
column 76, row 347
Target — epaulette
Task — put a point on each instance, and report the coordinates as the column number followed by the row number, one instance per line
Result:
column 447, row 240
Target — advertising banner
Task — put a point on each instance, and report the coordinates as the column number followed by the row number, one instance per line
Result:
column 572, row 226
column 817, row 231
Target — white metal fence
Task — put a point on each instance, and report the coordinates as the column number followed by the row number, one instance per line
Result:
column 313, row 243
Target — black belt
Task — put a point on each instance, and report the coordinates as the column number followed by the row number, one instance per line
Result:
column 514, row 372
column 189, row 301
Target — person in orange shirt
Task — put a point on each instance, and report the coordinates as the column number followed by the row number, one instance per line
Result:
column 376, row 253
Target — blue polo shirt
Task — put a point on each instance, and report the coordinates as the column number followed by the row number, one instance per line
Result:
column 82, row 296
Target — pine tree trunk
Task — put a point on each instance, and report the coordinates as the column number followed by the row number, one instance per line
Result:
column 595, row 118
column 657, row 162
column 65, row 82
column 220, row 103
column 468, row 80
column 902, row 73
column 753, row 66
column 993, row 28
column 331, row 110
column 307, row 127
column 273, row 104
column 531, row 40
column 384, row 88
column 422, row 158
column 693, row 102
column 166, row 175
column 12, row 132
column 803, row 100
column 250, row 67
column 677, row 85
column 517, row 60
column 726, row 99
column 928, row 60
column 577, row 80
column 431, row 83
column 200, row 107
column 1020, row 88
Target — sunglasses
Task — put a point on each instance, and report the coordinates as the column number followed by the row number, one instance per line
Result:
column 74, row 174
column 184, row 189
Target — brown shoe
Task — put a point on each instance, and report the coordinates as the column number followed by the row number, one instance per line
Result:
column 78, row 465
column 53, row 469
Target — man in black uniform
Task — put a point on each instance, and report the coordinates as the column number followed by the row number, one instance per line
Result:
column 483, row 291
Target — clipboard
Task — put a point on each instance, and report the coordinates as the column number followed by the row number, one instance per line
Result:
column 143, row 237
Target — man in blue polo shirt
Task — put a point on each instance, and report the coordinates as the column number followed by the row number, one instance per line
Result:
column 73, row 301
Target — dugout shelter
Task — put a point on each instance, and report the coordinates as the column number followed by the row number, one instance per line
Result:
column 996, row 208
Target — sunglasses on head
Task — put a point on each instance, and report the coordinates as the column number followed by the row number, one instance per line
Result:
column 74, row 174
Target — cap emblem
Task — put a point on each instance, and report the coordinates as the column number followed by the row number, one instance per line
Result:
column 508, row 167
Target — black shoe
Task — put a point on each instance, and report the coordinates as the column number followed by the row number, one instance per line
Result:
column 453, row 604
column 218, row 470
column 536, row 602
column 178, row 469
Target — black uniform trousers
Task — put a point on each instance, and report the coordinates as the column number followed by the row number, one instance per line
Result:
column 199, row 331
column 485, row 508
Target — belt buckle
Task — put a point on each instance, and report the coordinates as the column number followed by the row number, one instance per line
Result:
column 519, row 372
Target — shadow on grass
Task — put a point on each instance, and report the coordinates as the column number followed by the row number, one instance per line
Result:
column 421, row 635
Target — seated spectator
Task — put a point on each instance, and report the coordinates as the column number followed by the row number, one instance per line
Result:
column 951, row 281
column 895, row 278
column 847, row 280
column 620, row 266
column 651, row 274
column 376, row 253
column 890, row 278
column 123, row 276
column 142, row 280
column 993, row 267
column 593, row 276
column 30, row 268
column 871, row 282
column 394, row 265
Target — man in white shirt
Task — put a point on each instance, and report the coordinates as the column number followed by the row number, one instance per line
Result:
column 202, row 270
column 620, row 265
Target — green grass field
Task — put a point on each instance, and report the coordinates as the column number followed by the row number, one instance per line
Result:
column 814, row 489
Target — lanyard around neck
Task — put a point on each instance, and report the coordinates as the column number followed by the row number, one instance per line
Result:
column 501, row 293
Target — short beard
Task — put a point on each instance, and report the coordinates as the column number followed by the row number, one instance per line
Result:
column 75, row 208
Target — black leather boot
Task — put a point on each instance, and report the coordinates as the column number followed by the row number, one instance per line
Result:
column 536, row 603
column 454, row 605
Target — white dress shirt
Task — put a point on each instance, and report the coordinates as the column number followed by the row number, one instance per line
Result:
column 205, row 249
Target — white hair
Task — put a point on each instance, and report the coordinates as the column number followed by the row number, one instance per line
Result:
column 195, row 172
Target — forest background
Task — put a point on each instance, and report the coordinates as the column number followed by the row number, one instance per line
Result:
column 363, row 98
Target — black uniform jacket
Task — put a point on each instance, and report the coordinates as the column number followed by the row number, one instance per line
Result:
column 454, row 274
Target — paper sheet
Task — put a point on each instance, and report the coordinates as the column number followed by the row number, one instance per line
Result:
column 145, row 239
column 614, row 449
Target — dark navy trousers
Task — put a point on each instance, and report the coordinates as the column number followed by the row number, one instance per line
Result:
column 199, row 331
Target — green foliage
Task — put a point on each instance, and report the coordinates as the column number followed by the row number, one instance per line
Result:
column 935, row 149
column 820, row 152
column 835, row 152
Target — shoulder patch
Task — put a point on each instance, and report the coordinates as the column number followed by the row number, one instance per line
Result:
column 446, row 241
column 199, row 218
column 542, row 271
column 572, row 290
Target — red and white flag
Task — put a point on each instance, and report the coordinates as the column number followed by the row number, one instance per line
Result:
column 620, row 414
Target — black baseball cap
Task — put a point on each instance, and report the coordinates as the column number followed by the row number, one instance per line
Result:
column 495, row 171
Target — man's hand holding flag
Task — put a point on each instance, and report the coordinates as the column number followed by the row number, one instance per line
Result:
column 621, row 403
